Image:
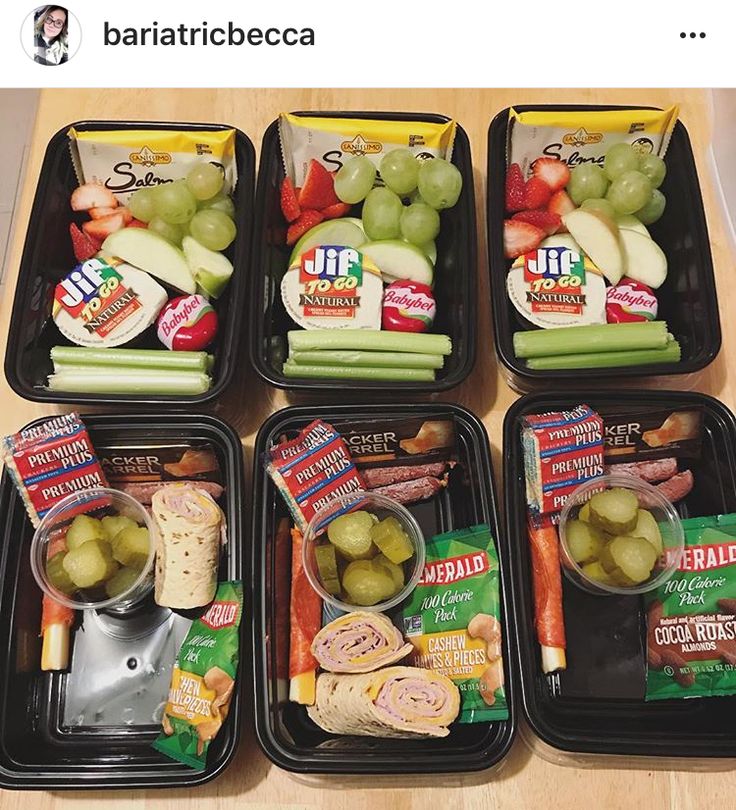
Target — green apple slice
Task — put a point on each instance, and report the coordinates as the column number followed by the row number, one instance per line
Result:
column 398, row 260
column 342, row 231
column 211, row 270
column 150, row 252
column 629, row 222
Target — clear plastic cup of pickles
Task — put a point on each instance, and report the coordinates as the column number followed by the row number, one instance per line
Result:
column 95, row 550
column 619, row 535
column 363, row 551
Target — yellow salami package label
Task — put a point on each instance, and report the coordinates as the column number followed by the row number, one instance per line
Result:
column 189, row 698
column 125, row 160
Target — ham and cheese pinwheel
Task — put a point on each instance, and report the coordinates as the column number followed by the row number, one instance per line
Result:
column 402, row 702
column 359, row 642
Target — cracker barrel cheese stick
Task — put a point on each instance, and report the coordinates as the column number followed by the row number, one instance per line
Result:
column 549, row 621
column 306, row 620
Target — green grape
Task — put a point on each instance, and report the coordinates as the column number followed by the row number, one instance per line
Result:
column 172, row 233
column 653, row 210
column 142, row 204
column 381, row 214
column 175, row 203
column 354, row 179
column 213, row 229
column 620, row 158
column 439, row 183
column 599, row 205
column 630, row 192
column 220, row 202
column 587, row 181
column 205, row 180
column 419, row 223
column 654, row 168
column 400, row 170
column 416, row 197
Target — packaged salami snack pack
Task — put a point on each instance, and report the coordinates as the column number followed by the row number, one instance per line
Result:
column 584, row 136
column 332, row 140
column 453, row 619
column 203, row 679
column 691, row 619
column 125, row 160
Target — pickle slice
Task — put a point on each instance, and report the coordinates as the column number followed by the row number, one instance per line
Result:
column 584, row 541
column 392, row 540
column 130, row 546
column 326, row 561
column 351, row 535
column 584, row 513
column 83, row 529
column 112, row 524
column 635, row 556
column 58, row 577
column 647, row 527
column 365, row 584
column 395, row 571
column 614, row 510
column 595, row 571
column 89, row 564
column 121, row 580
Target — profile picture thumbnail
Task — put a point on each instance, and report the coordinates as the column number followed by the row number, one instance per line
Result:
column 50, row 35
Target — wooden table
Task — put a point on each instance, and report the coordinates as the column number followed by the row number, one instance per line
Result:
column 525, row 780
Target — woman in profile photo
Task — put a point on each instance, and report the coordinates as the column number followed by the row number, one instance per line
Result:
column 50, row 30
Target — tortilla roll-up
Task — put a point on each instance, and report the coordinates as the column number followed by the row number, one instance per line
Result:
column 402, row 702
column 305, row 611
column 549, row 620
column 190, row 527
column 359, row 642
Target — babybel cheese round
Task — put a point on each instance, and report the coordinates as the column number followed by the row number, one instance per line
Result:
column 187, row 323
column 630, row 300
column 408, row 306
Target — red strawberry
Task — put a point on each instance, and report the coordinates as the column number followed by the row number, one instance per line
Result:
column 92, row 195
column 514, row 188
column 136, row 223
column 536, row 193
column 561, row 204
column 335, row 211
column 102, row 228
column 318, row 189
column 289, row 201
column 520, row 237
column 545, row 220
column 306, row 221
column 84, row 246
column 98, row 213
column 551, row 171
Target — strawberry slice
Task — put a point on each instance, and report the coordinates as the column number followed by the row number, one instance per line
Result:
column 551, row 171
column 306, row 221
column 561, row 204
column 136, row 223
column 98, row 213
column 102, row 228
column 536, row 193
column 514, row 188
column 335, row 211
column 92, row 195
column 318, row 189
column 83, row 245
column 289, row 201
column 520, row 237
column 545, row 220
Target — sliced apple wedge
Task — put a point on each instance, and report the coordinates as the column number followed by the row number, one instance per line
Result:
column 210, row 268
column 645, row 261
column 599, row 238
column 630, row 223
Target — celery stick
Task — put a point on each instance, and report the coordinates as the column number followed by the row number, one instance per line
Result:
column 636, row 357
column 359, row 372
column 368, row 339
column 101, row 380
column 358, row 358
column 609, row 337
column 136, row 358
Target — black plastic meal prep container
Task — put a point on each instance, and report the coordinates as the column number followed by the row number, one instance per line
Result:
column 285, row 732
column 596, row 706
column 687, row 299
column 38, row 749
column 48, row 256
column 455, row 276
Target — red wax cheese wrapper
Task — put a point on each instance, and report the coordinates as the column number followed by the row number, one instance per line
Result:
column 408, row 306
column 629, row 301
column 187, row 323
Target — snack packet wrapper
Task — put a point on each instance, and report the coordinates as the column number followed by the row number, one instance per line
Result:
column 125, row 160
column 584, row 136
column 691, row 618
column 453, row 620
column 203, row 680
column 332, row 140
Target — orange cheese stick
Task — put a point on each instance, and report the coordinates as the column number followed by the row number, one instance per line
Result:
column 305, row 612
column 56, row 619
